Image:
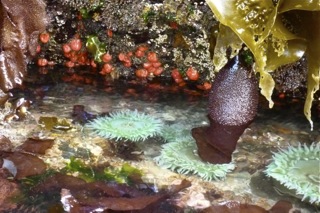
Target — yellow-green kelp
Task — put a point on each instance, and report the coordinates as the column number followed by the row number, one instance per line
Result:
column 273, row 31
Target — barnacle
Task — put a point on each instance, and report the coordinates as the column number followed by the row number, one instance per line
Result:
column 261, row 26
column 81, row 4
column 181, row 11
column 123, row 15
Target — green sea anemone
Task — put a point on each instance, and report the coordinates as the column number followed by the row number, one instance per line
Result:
column 126, row 125
column 298, row 168
column 181, row 156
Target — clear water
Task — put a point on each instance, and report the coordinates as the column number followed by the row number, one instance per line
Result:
column 272, row 129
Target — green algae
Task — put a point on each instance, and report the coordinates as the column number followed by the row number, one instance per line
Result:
column 125, row 174
column 95, row 47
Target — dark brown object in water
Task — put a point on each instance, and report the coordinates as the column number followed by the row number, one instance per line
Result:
column 233, row 102
column 21, row 21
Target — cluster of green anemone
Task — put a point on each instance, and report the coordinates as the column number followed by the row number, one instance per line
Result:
column 178, row 154
column 296, row 168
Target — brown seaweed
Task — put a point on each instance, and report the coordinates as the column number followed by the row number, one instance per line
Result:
column 5, row 143
column 130, row 201
column 36, row 146
column 8, row 189
column 22, row 162
column 80, row 196
column 20, row 25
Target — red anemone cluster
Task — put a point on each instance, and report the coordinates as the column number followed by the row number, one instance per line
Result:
column 148, row 64
column 75, row 53
column 125, row 58
column 44, row 39
column 152, row 66
column 106, row 67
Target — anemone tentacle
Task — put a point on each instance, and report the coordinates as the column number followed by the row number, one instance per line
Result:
column 181, row 156
column 127, row 125
column 298, row 168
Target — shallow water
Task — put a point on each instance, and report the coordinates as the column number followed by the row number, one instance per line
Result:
column 272, row 129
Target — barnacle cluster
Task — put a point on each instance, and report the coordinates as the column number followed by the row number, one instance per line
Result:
column 123, row 15
column 181, row 30
column 78, row 4
column 184, row 12
column 291, row 77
